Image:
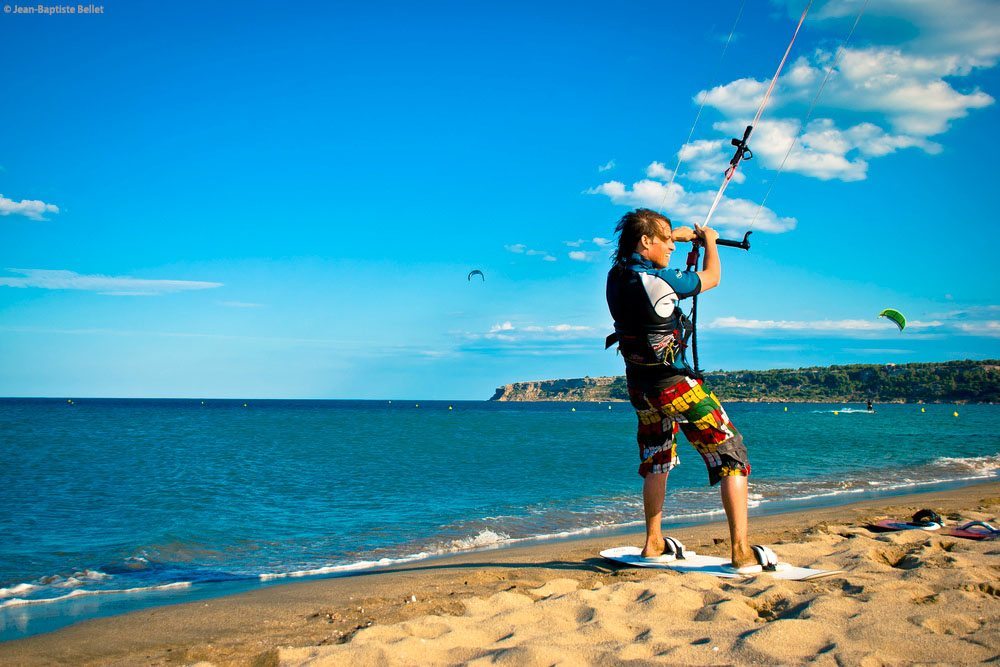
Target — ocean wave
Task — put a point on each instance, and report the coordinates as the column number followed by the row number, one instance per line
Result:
column 358, row 566
column 81, row 592
column 485, row 538
column 905, row 483
column 54, row 581
column 988, row 465
column 19, row 589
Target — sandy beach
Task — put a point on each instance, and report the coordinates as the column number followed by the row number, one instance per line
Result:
column 903, row 598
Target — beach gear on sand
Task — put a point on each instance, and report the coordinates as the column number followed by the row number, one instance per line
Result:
column 930, row 520
column 973, row 530
column 714, row 565
column 923, row 520
column 672, row 550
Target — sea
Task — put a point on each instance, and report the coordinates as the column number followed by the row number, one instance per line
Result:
column 107, row 506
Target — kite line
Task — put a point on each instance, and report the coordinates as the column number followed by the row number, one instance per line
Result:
column 697, row 116
column 812, row 106
column 743, row 151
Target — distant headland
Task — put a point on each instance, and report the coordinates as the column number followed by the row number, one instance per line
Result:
column 966, row 381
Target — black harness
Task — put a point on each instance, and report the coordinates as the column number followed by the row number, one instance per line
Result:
column 685, row 334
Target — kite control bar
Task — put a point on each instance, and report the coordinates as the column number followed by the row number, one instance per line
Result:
column 744, row 244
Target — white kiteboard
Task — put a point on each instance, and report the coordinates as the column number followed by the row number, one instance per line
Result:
column 709, row 565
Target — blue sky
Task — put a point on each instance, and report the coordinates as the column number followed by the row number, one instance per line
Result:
column 256, row 200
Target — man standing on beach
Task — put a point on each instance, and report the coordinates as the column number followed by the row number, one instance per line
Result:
column 652, row 335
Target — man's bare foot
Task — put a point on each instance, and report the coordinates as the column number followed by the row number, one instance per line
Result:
column 656, row 546
column 744, row 557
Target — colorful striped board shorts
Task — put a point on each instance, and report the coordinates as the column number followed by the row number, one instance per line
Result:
column 678, row 402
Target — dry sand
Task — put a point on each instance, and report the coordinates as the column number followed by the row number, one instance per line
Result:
column 904, row 598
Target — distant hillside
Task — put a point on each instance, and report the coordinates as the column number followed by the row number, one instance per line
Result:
column 943, row 382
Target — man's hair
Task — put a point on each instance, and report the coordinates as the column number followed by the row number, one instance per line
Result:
column 632, row 227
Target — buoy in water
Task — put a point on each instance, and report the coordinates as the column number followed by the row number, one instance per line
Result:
column 835, row 412
column 923, row 409
column 449, row 407
column 786, row 408
column 954, row 414
column 572, row 410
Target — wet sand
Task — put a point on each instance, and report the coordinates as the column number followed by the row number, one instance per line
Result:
column 903, row 597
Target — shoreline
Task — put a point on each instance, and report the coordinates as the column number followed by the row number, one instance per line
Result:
column 53, row 614
column 318, row 612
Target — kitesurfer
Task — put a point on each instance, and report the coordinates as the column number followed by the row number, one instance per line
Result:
column 652, row 333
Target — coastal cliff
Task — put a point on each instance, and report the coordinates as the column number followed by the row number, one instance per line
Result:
column 966, row 381
column 579, row 389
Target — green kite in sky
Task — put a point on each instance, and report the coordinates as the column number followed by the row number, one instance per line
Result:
column 894, row 315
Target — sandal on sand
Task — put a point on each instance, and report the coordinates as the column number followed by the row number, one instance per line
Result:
column 673, row 549
column 922, row 520
column 974, row 530
column 767, row 561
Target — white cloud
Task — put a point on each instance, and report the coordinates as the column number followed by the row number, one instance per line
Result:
column 581, row 255
column 521, row 249
column 505, row 326
column 585, row 256
column 29, row 208
column 651, row 194
column 799, row 325
column 967, row 312
column 112, row 285
column 990, row 329
column 739, row 97
column 691, row 208
column 608, row 166
column 707, row 161
column 898, row 93
column 508, row 332
column 987, row 328
column 909, row 91
column 823, row 151
column 968, row 28
column 659, row 171
column 909, row 84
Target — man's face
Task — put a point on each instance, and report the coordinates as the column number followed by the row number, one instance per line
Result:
column 659, row 249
